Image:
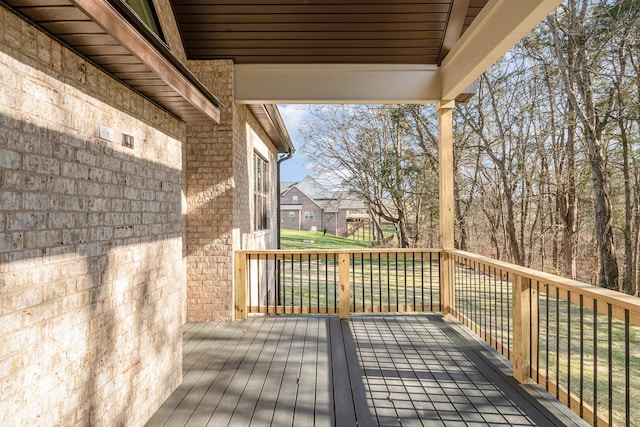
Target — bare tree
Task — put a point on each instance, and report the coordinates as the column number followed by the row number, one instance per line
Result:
column 575, row 36
column 373, row 151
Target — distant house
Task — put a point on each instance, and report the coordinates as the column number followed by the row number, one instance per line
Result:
column 307, row 205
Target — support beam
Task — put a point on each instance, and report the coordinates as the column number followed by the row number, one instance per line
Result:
column 344, row 292
column 241, row 291
column 445, row 168
column 336, row 83
column 496, row 29
column 455, row 24
column 521, row 329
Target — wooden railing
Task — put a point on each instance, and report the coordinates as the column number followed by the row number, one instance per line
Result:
column 579, row 342
column 344, row 281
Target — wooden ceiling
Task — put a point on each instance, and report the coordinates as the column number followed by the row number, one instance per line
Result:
column 323, row 31
column 256, row 32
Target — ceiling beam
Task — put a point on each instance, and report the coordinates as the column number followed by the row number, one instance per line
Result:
column 496, row 29
column 457, row 15
column 336, row 84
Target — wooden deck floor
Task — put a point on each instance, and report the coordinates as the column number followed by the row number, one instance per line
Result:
column 387, row 370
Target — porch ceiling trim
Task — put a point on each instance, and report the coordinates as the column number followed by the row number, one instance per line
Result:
column 495, row 30
column 111, row 20
column 336, row 83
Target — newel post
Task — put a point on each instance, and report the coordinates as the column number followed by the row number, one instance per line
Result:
column 344, row 310
column 521, row 328
column 240, row 279
column 447, row 211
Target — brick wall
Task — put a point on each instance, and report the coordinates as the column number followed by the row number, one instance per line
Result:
column 219, row 167
column 91, row 268
column 308, row 205
column 290, row 219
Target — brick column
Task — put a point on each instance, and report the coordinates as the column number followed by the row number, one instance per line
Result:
column 210, row 194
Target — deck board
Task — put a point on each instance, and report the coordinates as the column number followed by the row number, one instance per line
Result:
column 270, row 389
column 404, row 370
column 304, row 413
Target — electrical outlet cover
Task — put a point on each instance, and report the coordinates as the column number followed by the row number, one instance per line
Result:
column 107, row 133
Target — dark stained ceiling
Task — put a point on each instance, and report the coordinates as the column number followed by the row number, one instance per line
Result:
column 250, row 32
column 323, row 31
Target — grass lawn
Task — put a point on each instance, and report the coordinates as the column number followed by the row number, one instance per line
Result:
column 296, row 239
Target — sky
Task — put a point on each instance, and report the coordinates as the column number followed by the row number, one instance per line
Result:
column 298, row 166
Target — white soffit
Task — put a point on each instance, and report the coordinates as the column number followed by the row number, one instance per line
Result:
column 336, row 83
column 494, row 31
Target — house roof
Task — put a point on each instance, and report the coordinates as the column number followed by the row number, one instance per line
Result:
column 314, row 189
column 329, row 200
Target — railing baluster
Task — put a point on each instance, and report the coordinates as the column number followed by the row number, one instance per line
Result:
column 422, row 279
column 557, row 343
column 379, row 283
column 335, row 284
column 397, row 302
column 581, row 355
column 293, row 286
column 538, row 332
column 508, row 320
column 568, row 348
column 610, row 359
column 371, row 293
column 595, row 362
column 547, row 336
column 364, row 304
column 404, row 265
column 496, row 277
column 353, row 280
column 260, row 285
column 388, row 285
column 431, row 281
column 251, row 282
column 413, row 279
column 627, row 370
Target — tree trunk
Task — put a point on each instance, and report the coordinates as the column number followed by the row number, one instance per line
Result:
column 568, row 203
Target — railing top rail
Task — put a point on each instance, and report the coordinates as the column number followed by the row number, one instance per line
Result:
column 607, row 296
column 336, row 251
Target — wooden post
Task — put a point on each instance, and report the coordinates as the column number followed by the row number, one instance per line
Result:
column 240, row 277
column 521, row 328
column 447, row 212
column 446, row 284
column 344, row 309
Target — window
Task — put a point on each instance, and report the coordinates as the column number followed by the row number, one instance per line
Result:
column 145, row 11
column 294, row 199
column 260, row 193
column 291, row 214
column 308, row 216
